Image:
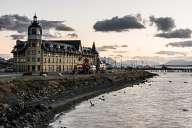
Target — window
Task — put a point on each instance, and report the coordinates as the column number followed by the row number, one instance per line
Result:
column 45, row 60
column 38, row 31
column 53, row 60
column 33, row 59
column 33, row 31
column 38, row 59
column 45, row 53
column 49, row 60
column 28, row 59
column 38, row 67
column 33, row 68
column 52, row 67
column 33, row 44
column 28, row 52
column 33, row 52
column 28, row 68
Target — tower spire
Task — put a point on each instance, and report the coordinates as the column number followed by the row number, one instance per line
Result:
column 93, row 47
column 35, row 18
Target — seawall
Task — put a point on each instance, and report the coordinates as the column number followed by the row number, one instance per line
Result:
column 34, row 102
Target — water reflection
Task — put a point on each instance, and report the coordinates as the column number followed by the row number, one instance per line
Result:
column 156, row 104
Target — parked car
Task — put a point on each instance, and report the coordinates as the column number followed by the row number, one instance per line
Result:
column 2, row 70
column 93, row 69
column 9, row 69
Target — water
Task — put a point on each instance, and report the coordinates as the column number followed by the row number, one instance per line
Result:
column 164, row 102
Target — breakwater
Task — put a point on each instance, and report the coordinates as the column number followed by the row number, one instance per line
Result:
column 34, row 102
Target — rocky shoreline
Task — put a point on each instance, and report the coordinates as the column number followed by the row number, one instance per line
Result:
column 33, row 103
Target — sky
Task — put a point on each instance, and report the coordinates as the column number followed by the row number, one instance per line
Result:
column 135, row 29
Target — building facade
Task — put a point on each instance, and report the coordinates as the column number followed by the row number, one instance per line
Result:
column 37, row 55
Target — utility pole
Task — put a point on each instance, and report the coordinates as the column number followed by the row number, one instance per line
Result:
column 121, row 62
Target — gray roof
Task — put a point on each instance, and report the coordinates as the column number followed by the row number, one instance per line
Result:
column 59, row 46
column 62, row 45
column 20, row 46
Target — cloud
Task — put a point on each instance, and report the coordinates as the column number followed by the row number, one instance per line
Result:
column 14, row 23
column 119, row 24
column 107, row 47
column 181, row 44
column 163, row 23
column 178, row 33
column 123, row 51
column 17, row 36
column 57, row 25
column 20, row 24
column 170, row 53
column 52, row 35
column 124, row 46
column 72, row 35
column 112, row 47
column 46, row 34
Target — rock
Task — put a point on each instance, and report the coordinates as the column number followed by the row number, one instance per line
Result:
column 41, row 107
column 3, row 107
column 185, row 110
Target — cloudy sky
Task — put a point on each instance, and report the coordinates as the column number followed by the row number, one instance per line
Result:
column 148, row 29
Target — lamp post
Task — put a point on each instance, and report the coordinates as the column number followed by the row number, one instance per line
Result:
column 17, row 62
column 121, row 61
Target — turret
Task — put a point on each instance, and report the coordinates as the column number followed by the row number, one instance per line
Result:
column 34, row 46
column 34, row 30
column 93, row 47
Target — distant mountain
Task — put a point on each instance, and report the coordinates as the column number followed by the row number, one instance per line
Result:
column 5, row 56
column 126, row 63
column 179, row 62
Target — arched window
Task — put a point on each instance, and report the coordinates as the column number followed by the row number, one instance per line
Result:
column 33, row 31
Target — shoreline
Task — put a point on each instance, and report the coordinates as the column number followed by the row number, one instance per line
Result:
column 69, row 104
column 31, row 112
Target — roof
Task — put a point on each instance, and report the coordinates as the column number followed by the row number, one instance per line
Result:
column 88, row 50
column 35, row 22
column 62, row 45
column 20, row 46
column 59, row 46
column 74, row 43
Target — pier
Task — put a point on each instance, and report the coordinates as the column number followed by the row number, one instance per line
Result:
column 170, row 68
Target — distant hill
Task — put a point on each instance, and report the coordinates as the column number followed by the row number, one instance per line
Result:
column 5, row 56
column 179, row 62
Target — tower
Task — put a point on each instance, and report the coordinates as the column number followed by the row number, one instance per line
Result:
column 96, row 56
column 93, row 47
column 34, row 46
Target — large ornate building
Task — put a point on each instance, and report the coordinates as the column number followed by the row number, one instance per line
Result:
column 37, row 55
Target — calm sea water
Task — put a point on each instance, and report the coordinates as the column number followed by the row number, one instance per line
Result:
column 163, row 102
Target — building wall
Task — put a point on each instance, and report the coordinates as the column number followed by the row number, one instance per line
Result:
column 37, row 60
column 62, row 62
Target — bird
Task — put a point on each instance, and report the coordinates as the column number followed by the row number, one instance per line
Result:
column 92, row 104
column 102, row 99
